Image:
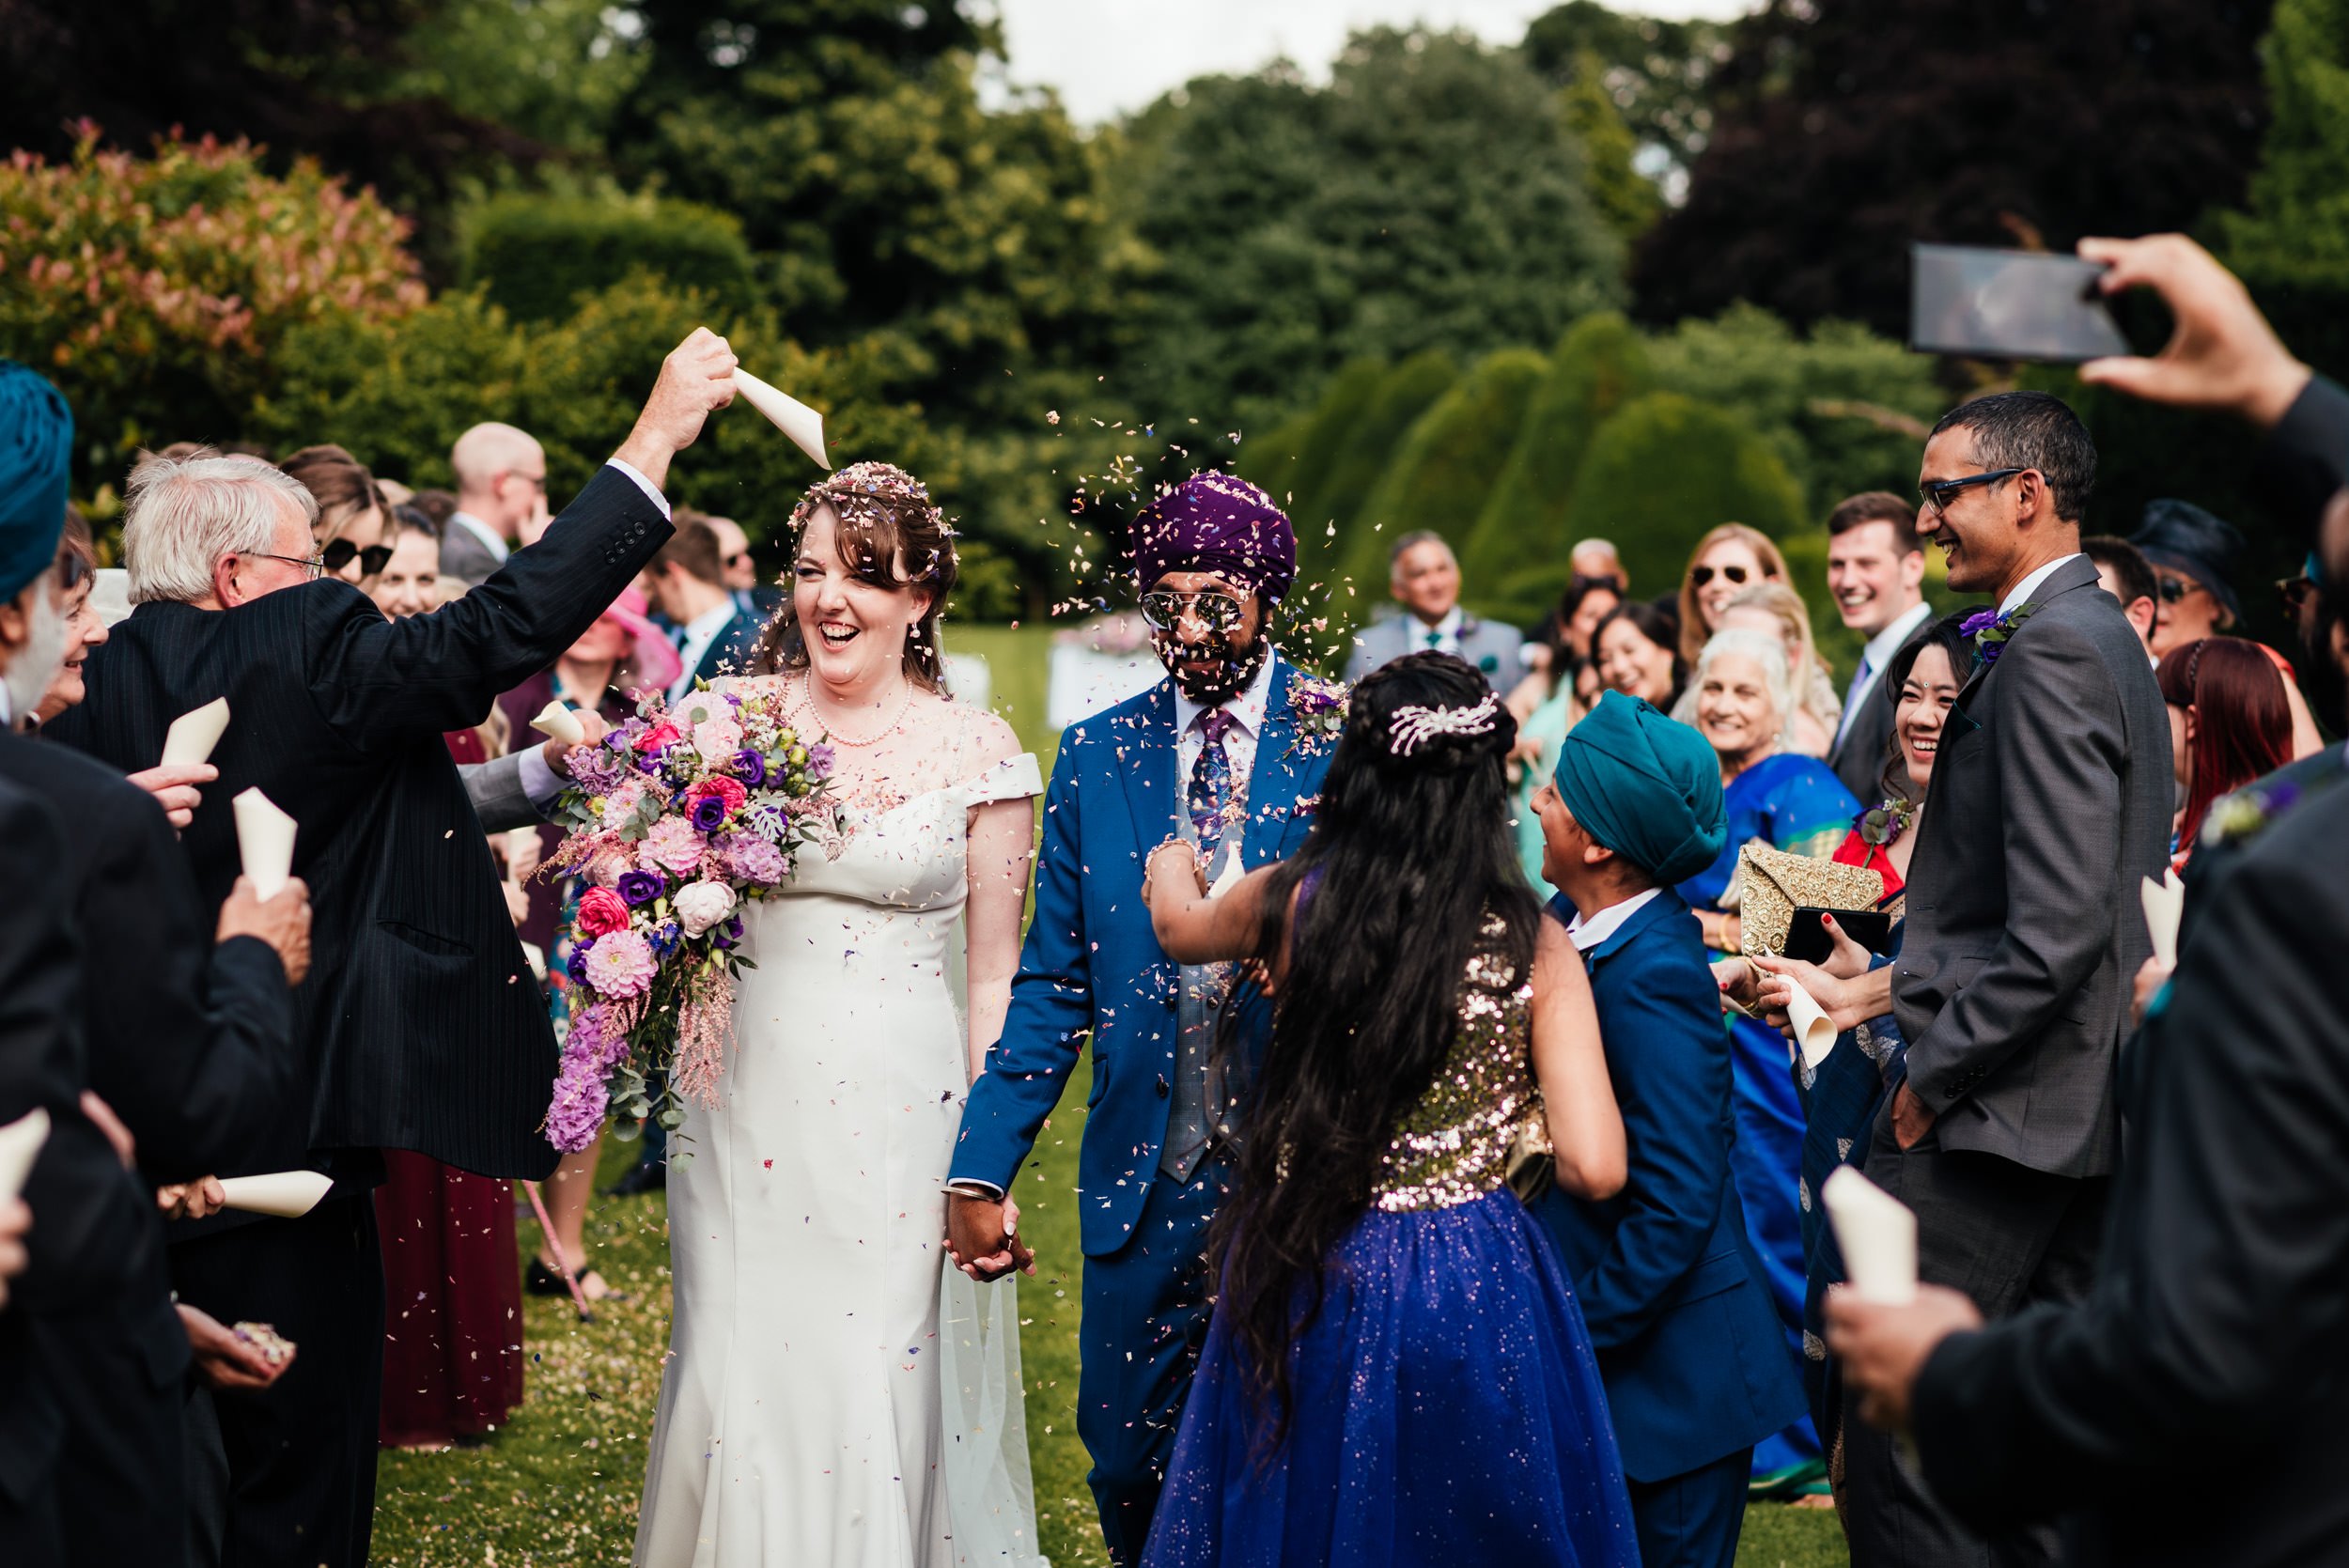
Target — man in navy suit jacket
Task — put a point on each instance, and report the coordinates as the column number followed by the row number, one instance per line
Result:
column 1696, row 1366
column 1215, row 554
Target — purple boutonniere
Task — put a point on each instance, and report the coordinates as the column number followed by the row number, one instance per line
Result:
column 1318, row 707
column 1989, row 630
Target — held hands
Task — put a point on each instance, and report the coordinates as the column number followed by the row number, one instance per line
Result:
column 2221, row 353
column 697, row 380
column 173, row 787
column 2151, row 976
column 1172, row 864
column 197, row 1200
column 1882, row 1348
column 282, row 922
column 983, row 1236
column 558, row 752
column 226, row 1360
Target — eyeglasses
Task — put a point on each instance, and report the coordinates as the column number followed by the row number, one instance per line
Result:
column 739, row 558
column 1165, row 609
column 2295, row 591
column 1700, row 576
column 372, row 560
column 311, row 564
column 2172, row 589
column 1939, row 493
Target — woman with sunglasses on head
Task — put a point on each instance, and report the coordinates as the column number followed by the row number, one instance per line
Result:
column 353, row 518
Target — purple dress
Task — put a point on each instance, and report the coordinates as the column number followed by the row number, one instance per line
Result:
column 1447, row 1405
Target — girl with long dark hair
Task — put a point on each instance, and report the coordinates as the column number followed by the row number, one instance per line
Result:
column 1396, row 1367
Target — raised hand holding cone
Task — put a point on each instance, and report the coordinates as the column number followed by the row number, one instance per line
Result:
column 803, row 424
column 558, row 723
column 286, row 1194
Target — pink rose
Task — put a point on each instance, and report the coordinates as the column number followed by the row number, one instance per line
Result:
column 659, row 736
column 728, row 790
column 717, row 740
column 602, row 911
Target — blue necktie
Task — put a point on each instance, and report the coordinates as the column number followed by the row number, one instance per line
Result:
column 1210, row 789
column 1851, row 697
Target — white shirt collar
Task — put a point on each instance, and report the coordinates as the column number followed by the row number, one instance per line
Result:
column 1247, row 707
column 2029, row 585
column 1587, row 934
column 1885, row 644
column 482, row 531
column 8, row 718
column 708, row 621
column 1449, row 626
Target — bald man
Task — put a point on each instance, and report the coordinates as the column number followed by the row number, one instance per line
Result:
column 755, row 598
column 500, row 497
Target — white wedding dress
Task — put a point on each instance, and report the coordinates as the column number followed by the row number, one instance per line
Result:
column 836, row 1397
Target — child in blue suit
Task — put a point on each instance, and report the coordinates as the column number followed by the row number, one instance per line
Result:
column 1696, row 1366
column 1228, row 754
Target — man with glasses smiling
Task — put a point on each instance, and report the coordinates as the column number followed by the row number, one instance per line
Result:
column 2051, row 798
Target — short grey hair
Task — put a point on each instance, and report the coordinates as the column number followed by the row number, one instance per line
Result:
column 1412, row 541
column 184, row 514
column 1767, row 651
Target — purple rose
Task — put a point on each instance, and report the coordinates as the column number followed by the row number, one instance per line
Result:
column 819, row 760
column 1979, row 622
column 639, row 886
column 750, row 768
column 576, row 965
column 727, row 935
column 709, row 812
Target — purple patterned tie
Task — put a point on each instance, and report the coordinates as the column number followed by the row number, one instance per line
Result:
column 1211, row 781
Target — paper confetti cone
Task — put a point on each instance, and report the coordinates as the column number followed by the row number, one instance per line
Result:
column 803, row 424
column 558, row 722
column 1876, row 1234
column 265, row 840
column 195, row 733
column 286, row 1194
column 19, row 1145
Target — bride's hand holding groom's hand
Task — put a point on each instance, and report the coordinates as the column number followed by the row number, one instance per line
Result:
column 983, row 1236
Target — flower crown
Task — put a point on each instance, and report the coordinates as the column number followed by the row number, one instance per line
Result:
column 1409, row 727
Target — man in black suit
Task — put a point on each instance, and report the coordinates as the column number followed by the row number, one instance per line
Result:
column 2051, row 799
column 421, row 1027
column 714, row 636
column 1875, row 570
column 2195, row 1408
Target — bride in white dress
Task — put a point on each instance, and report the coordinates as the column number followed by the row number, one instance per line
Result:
column 834, row 1396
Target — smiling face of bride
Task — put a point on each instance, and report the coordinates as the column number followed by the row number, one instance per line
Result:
column 860, row 617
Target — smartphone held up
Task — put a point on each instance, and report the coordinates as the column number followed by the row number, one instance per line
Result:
column 2009, row 305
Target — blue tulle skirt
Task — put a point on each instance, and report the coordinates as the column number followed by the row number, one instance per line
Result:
column 1448, row 1412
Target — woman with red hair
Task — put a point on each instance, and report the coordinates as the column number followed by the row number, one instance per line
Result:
column 2229, row 722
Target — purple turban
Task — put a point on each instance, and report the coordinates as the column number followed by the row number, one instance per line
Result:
column 1213, row 522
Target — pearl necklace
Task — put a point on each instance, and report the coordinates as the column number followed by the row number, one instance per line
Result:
column 808, row 699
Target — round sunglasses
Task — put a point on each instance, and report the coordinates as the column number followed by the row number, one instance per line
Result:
column 1165, row 609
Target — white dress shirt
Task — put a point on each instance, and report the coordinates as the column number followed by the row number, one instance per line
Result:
column 1587, row 934
column 1447, row 632
column 693, row 643
column 1246, row 710
column 1876, row 655
column 2029, row 585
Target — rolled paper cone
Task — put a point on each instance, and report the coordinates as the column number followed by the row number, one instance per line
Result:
column 286, row 1194
column 265, row 840
column 1812, row 1032
column 559, row 722
column 1876, row 1234
column 803, row 424
column 2165, row 906
column 19, row 1145
column 195, row 733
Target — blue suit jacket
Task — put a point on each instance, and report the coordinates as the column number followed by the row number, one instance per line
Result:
column 1696, row 1363
column 1091, row 965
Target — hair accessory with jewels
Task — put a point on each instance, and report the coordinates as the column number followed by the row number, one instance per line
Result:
column 1411, row 726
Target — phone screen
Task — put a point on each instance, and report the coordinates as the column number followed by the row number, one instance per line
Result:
column 2009, row 305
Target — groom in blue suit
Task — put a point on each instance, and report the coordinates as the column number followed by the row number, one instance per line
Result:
column 1214, row 755
column 1696, row 1366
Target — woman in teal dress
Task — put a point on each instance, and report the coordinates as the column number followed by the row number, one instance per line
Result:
column 1791, row 802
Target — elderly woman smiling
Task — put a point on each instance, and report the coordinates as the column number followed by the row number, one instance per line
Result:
column 1744, row 692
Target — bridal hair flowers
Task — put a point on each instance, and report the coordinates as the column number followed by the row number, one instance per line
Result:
column 1411, row 728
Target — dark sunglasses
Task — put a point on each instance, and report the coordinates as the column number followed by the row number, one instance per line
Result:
column 2172, row 589
column 1939, row 493
column 1165, row 609
column 1700, row 576
column 372, row 560
column 739, row 558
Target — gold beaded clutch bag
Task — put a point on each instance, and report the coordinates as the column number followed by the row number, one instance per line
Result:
column 1773, row 884
column 1532, row 1166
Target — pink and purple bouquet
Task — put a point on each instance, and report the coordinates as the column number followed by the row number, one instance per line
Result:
column 679, row 818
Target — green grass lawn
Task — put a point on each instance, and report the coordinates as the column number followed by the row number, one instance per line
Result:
column 559, row 1485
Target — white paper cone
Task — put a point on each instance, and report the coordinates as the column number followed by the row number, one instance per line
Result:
column 265, row 840
column 195, row 733
column 1812, row 1032
column 19, row 1145
column 1876, row 1234
column 803, row 424
column 559, row 722
column 286, row 1194
column 2165, row 905
column 1233, row 872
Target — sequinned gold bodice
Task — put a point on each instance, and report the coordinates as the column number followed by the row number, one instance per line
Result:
column 1452, row 1147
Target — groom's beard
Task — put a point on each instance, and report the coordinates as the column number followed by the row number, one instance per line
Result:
column 1234, row 668
column 39, row 660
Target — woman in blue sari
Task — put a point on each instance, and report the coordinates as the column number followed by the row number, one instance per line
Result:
column 1744, row 695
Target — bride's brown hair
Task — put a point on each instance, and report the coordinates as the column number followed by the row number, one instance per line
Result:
column 886, row 518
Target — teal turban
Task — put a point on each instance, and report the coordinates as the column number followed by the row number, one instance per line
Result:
column 1644, row 786
column 36, row 445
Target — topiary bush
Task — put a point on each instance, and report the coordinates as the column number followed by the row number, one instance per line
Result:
column 1665, row 469
column 534, row 255
column 1345, row 402
column 1516, row 552
column 1370, row 447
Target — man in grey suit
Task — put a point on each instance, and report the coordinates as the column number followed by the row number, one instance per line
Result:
column 1424, row 577
column 1875, row 568
column 501, row 500
column 2051, row 799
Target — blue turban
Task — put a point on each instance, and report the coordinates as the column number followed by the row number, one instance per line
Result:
column 1213, row 522
column 36, row 446
column 1644, row 786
